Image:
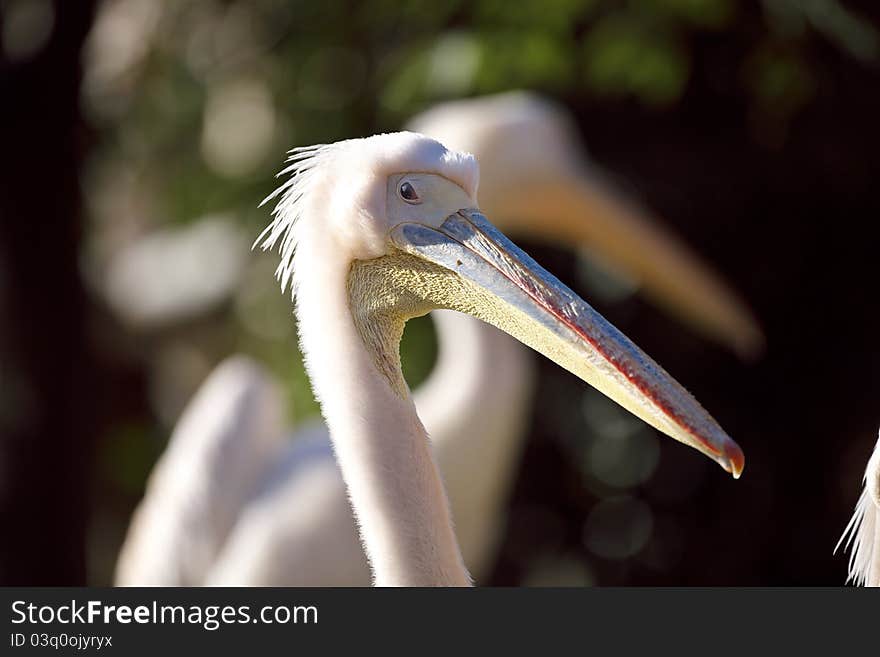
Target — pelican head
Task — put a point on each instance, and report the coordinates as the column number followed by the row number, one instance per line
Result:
column 398, row 215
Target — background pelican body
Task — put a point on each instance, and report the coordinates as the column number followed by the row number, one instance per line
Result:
column 475, row 446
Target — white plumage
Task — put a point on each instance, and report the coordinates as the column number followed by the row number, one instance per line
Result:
column 862, row 534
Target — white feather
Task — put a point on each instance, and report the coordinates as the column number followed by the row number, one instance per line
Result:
column 862, row 533
column 303, row 163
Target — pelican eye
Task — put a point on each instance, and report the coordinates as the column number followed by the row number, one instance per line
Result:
column 408, row 192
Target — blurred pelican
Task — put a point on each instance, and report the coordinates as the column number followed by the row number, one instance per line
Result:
column 476, row 438
column 543, row 182
column 862, row 534
column 221, row 447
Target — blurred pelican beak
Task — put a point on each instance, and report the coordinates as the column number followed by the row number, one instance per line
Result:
column 484, row 274
column 583, row 212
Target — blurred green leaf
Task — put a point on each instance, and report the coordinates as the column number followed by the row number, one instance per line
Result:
column 779, row 81
column 623, row 58
column 406, row 75
column 527, row 59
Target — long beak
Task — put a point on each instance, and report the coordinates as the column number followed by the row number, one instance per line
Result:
column 500, row 284
column 584, row 212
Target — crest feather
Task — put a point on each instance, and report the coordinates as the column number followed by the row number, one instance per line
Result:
column 302, row 165
column 373, row 159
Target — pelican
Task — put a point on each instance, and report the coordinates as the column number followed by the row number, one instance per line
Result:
column 475, row 402
column 205, row 477
column 375, row 231
column 862, row 533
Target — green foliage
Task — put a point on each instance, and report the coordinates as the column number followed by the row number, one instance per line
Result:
column 527, row 58
column 623, row 57
column 780, row 81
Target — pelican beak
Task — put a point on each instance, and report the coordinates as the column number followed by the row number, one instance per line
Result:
column 582, row 211
column 492, row 279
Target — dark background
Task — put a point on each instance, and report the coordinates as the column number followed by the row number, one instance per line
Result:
column 751, row 128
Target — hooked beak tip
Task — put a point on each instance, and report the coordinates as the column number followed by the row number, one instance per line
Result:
column 734, row 459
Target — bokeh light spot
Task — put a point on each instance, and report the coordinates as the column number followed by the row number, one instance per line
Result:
column 27, row 26
column 618, row 527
